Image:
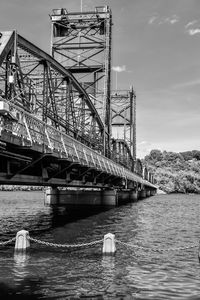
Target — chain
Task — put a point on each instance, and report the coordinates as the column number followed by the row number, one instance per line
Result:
column 156, row 249
column 100, row 241
column 65, row 245
column 128, row 245
column 7, row 242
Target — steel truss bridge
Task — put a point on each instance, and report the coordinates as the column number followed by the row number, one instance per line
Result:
column 57, row 112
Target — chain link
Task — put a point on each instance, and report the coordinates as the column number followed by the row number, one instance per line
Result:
column 7, row 242
column 100, row 241
column 156, row 249
column 65, row 245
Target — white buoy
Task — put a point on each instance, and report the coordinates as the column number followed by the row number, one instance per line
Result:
column 109, row 244
column 22, row 242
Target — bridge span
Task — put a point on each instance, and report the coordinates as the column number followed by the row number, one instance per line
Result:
column 55, row 131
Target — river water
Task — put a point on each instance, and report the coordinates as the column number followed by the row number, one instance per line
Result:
column 162, row 222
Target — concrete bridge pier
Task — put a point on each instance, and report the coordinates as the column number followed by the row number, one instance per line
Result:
column 134, row 195
column 142, row 194
column 123, row 196
column 153, row 192
column 94, row 197
column 109, row 198
column 148, row 193
column 51, row 196
column 104, row 197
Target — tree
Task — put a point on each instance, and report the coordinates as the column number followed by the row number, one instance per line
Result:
column 175, row 172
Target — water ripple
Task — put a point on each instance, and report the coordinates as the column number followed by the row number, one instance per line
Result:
column 160, row 222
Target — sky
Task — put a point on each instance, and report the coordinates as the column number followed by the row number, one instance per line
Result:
column 156, row 48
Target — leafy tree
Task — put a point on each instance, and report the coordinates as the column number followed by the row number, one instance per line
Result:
column 175, row 172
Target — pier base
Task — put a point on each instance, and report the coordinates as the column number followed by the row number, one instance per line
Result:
column 109, row 198
column 104, row 197
column 153, row 192
column 123, row 196
column 148, row 193
column 142, row 194
column 53, row 196
column 133, row 196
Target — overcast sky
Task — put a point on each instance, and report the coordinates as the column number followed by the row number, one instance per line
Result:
column 156, row 48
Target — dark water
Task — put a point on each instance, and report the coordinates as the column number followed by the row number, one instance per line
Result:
column 167, row 221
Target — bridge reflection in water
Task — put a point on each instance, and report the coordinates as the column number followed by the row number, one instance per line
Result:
column 52, row 132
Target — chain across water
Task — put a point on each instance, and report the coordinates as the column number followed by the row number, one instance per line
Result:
column 98, row 242
column 65, row 245
column 7, row 242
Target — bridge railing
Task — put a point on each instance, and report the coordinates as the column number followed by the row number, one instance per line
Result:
column 34, row 132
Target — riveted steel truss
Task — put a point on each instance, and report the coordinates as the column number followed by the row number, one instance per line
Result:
column 121, row 153
column 81, row 42
column 34, row 81
column 123, row 110
column 50, row 131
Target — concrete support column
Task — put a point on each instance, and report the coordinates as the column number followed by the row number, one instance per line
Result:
column 123, row 196
column 51, row 196
column 148, row 193
column 109, row 198
column 142, row 194
column 133, row 195
column 81, row 197
column 153, row 192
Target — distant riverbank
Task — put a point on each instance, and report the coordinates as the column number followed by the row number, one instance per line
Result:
column 20, row 188
column 160, row 192
column 175, row 172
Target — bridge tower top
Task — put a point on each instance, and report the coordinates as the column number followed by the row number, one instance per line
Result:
column 81, row 42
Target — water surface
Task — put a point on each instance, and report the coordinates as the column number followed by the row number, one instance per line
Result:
column 162, row 222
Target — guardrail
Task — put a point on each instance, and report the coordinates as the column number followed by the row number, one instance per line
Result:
column 34, row 132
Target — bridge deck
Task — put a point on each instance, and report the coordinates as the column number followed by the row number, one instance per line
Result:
column 43, row 142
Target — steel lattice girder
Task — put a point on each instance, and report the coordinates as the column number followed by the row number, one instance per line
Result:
column 32, row 79
column 34, row 89
column 81, row 41
column 123, row 110
column 121, row 153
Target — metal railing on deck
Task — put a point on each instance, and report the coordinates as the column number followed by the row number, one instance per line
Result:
column 35, row 132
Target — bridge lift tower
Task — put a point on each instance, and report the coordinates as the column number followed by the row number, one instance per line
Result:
column 81, row 42
column 123, row 111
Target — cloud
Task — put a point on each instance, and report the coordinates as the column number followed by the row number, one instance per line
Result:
column 174, row 19
column 193, row 31
column 152, row 20
column 163, row 20
column 145, row 147
column 187, row 84
column 191, row 23
column 119, row 68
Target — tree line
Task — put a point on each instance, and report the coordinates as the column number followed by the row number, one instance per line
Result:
column 175, row 172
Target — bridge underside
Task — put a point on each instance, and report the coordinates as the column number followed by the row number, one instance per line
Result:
column 39, row 165
column 31, row 166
